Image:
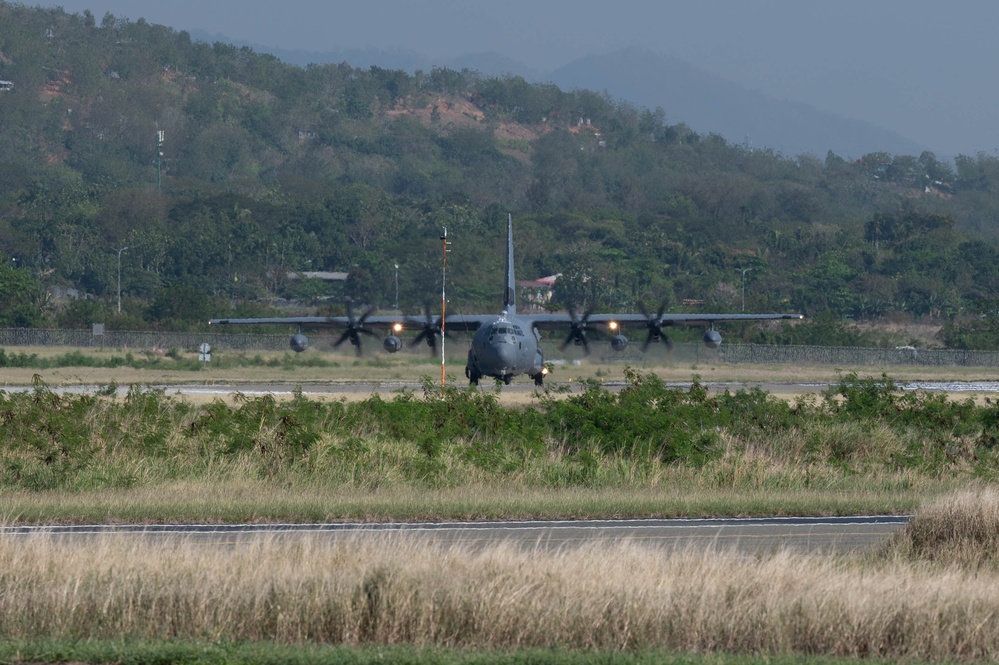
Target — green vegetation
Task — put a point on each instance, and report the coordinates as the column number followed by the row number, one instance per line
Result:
column 976, row 333
column 865, row 445
column 176, row 652
column 271, row 169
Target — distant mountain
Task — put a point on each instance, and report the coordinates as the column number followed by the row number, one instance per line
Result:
column 705, row 102
column 708, row 103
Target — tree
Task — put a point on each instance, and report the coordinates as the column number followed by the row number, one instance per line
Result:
column 576, row 290
column 19, row 307
column 936, row 171
column 179, row 306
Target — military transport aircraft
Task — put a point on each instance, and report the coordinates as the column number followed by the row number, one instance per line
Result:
column 505, row 344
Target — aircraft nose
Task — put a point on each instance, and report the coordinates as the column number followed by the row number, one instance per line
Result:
column 507, row 354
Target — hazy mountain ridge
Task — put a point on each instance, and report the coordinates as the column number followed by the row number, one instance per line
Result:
column 688, row 94
column 708, row 103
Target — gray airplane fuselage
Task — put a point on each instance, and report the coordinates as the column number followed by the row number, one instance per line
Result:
column 504, row 348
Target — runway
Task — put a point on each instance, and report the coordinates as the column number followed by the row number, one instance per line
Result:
column 361, row 389
column 803, row 535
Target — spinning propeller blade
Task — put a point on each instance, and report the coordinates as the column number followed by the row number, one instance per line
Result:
column 577, row 331
column 355, row 328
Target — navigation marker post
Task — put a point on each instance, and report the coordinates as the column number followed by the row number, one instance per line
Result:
column 445, row 242
column 119, row 277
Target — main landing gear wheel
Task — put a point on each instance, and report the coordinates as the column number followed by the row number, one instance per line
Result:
column 539, row 379
column 507, row 378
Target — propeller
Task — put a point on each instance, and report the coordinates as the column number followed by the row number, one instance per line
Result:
column 654, row 324
column 355, row 328
column 431, row 330
column 577, row 331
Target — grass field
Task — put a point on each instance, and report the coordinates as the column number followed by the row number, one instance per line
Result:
column 642, row 449
column 177, row 652
column 930, row 595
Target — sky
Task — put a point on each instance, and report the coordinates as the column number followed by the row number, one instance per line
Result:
column 923, row 68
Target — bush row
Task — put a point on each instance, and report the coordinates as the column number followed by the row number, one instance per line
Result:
column 646, row 421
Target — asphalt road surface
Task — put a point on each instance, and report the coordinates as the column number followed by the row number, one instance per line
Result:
column 363, row 389
column 804, row 535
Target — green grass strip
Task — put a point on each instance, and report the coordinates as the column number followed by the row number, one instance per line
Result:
column 135, row 652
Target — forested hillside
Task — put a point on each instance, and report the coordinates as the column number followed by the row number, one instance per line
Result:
column 269, row 169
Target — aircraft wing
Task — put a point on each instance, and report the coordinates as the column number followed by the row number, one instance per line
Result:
column 564, row 321
column 458, row 322
column 615, row 325
column 426, row 328
column 707, row 319
column 315, row 321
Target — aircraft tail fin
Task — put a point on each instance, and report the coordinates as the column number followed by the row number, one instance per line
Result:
column 509, row 298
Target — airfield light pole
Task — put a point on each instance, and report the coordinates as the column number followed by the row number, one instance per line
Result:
column 120, row 250
column 744, row 271
column 443, row 298
column 396, row 305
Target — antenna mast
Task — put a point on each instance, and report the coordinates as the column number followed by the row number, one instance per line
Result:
column 445, row 243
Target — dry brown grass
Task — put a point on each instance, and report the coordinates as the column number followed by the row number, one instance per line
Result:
column 393, row 590
column 960, row 528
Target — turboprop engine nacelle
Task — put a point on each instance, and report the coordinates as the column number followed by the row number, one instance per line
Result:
column 392, row 343
column 299, row 343
column 619, row 342
column 712, row 339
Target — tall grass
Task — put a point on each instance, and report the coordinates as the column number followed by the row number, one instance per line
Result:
column 864, row 438
column 396, row 590
column 961, row 528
